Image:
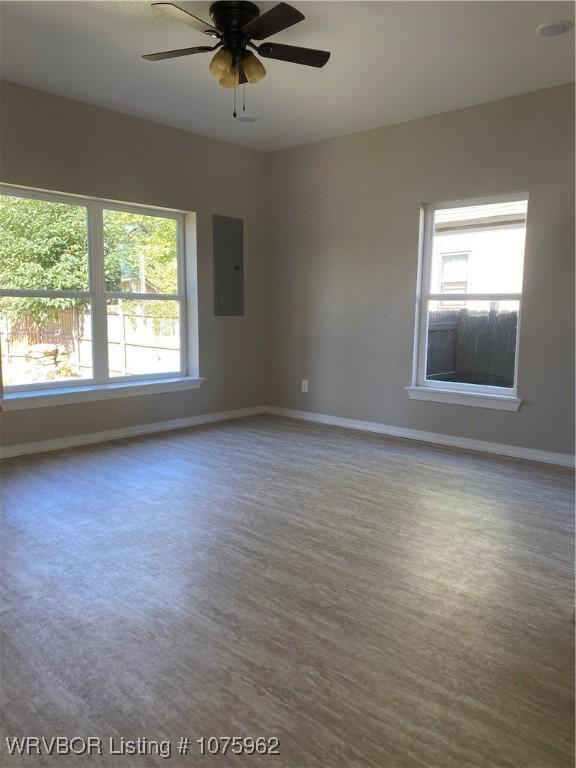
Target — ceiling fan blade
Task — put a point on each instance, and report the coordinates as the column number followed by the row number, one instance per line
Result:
column 279, row 17
column 176, row 53
column 293, row 53
column 179, row 12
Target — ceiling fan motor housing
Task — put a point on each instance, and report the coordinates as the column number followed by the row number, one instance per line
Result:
column 229, row 18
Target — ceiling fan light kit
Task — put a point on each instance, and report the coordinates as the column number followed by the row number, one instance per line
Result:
column 253, row 68
column 221, row 63
column 236, row 25
column 228, row 74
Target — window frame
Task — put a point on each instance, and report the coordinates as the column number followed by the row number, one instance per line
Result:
column 97, row 296
column 460, row 393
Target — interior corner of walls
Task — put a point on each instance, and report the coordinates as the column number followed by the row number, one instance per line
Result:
column 297, row 227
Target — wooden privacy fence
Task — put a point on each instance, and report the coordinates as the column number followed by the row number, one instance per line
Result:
column 66, row 326
column 137, row 343
column 473, row 347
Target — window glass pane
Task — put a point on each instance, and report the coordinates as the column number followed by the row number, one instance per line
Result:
column 143, row 337
column 43, row 245
column 140, row 253
column 479, row 249
column 474, row 343
column 45, row 340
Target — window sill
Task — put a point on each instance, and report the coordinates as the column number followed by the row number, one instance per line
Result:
column 495, row 402
column 16, row 401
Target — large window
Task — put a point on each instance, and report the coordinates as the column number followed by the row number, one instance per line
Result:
column 470, row 298
column 91, row 293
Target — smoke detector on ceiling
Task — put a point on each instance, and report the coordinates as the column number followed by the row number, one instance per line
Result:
column 554, row 28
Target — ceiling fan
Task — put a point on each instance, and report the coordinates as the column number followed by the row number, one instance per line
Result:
column 236, row 25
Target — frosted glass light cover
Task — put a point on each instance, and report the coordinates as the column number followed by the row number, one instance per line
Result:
column 221, row 63
column 253, row 68
column 230, row 80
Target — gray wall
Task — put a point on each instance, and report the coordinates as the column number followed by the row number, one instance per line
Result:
column 331, row 234
column 58, row 144
column 344, row 242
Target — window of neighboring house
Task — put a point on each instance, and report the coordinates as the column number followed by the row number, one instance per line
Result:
column 471, row 291
column 90, row 292
column 454, row 277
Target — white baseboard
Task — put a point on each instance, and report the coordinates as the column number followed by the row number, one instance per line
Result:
column 467, row 443
column 73, row 441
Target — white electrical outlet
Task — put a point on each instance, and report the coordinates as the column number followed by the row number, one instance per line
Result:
column 304, row 385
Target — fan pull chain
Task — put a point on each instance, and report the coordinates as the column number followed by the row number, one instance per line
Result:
column 234, row 113
column 244, row 98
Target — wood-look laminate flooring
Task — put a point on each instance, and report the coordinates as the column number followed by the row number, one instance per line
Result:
column 371, row 602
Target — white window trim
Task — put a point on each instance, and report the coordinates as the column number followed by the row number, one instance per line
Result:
column 16, row 401
column 436, row 395
column 102, row 386
column 455, row 393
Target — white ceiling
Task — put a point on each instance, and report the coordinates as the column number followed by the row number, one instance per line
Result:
column 391, row 61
